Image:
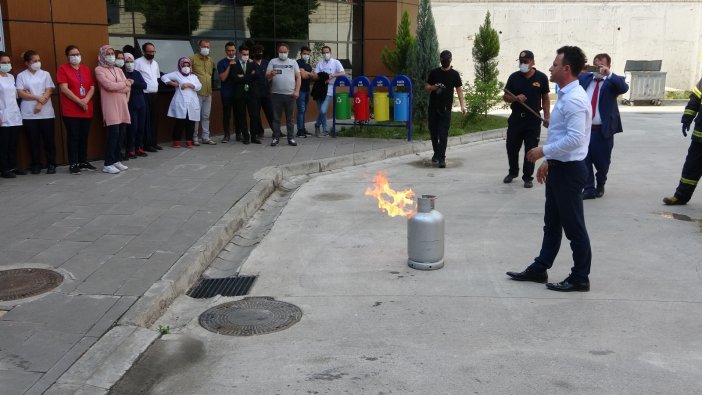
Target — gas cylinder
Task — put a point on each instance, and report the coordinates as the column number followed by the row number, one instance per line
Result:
column 425, row 236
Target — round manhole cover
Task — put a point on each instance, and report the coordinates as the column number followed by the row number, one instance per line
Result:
column 250, row 316
column 23, row 283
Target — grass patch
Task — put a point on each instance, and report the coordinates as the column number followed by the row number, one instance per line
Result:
column 458, row 127
column 677, row 95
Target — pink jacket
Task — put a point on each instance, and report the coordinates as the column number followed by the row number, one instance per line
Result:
column 114, row 95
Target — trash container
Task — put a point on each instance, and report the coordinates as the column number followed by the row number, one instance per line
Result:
column 361, row 106
column 381, row 106
column 343, row 109
column 646, row 81
column 401, row 106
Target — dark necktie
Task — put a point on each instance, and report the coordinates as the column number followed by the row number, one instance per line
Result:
column 594, row 96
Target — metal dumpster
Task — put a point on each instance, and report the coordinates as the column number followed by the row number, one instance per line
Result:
column 646, row 81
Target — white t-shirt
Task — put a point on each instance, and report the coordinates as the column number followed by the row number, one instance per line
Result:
column 9, row 110
column 36, row 84
column 331, row 66
column 283, row 82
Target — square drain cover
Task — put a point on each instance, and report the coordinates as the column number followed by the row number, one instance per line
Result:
column 228, row 286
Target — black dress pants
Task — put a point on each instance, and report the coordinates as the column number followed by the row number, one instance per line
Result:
column 77, row 130
column 41, row 134
column 522, row 128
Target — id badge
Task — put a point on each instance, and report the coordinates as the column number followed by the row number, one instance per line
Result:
column 82, row 91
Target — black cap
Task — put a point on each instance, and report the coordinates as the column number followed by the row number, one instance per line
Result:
column 526, row 54
column 445, row 54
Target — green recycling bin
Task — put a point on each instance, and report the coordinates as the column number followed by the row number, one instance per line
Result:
column 343, row 107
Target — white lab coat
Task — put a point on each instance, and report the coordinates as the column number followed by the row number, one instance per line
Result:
column 185, row 102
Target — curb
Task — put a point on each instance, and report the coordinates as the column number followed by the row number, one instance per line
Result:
column 116, row 351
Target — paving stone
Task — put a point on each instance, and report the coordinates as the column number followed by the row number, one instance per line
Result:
column 40, row 351
column 82, row 265
column 68, row 359
column 110, row 277
column 17, row 382
column 59, row 253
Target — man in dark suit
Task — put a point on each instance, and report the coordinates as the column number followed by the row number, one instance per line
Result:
column 245, row 95
column 602, row 87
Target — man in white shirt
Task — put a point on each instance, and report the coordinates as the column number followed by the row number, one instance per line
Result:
column 565, row 173
column 334, row 68
column 148, row 67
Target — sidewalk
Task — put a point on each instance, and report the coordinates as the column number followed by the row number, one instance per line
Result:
column 128, row 244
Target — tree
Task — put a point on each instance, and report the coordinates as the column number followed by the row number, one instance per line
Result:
column 277, row 19
column 397, row 60
column 424, row 57
column 168, row 16
column 486, row 91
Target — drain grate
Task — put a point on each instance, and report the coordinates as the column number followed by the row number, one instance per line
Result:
column 228, row 286
column 23, row 283
column 250, row 316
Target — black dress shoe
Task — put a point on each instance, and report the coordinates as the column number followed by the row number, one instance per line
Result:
column 529, row 275
column 588, row 195
column 19, row 172
column 600, row 191
column 256, row 141
column 8, row 174
column 442, row 164
column 508, row 178
column 528, row 184
column 158, row 147
column 569, row 285
column 51, row 169
column 246, row 142
column 150, row 149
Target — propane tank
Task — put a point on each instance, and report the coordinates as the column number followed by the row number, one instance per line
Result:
column 425, row 236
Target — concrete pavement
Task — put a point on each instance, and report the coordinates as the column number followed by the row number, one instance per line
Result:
column 372, row 325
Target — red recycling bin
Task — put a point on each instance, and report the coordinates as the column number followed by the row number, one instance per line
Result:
column 361, row 106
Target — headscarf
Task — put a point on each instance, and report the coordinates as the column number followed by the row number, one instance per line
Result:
column 128, row 57
column 102, row 54
column 182, row 60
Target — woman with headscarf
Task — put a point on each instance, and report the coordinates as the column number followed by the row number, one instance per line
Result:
column 137, row 110
column 114, row 96
column 185, row 106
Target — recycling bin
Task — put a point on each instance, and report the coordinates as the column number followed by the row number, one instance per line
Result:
column 381, row 106
column 361, row 106
column 343, row 109
column 401, row 106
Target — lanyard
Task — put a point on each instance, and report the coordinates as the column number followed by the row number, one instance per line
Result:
column 80, row 82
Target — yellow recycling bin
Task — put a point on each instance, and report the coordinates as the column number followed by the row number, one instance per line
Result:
column 381, row 106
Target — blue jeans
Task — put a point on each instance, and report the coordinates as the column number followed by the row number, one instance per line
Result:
column 323, row 105
column 302, row 102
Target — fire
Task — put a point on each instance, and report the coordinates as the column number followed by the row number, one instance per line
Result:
column 394, row 203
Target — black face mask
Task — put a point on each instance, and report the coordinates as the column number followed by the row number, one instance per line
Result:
column 149, row 56
column 445, row 63
column 258, row 56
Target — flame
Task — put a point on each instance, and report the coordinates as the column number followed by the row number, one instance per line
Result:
column 394, row 203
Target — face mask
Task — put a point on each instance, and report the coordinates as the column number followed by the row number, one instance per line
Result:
column 245, row 58
column 204, row 51
column 282, row 55
column 446, row 63
column 231, row 57
column 185, row 70
column 598, row 76
column 129, row 66
column 74, row 59
column 36, row 66
column 5, row 67
column 306, row 58
column 327, row 56
column 110, row 59
column 523, row 67
column 258, row 56
column 149, row 56
column 119, row 63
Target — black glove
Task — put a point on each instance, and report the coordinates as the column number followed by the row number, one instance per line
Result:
column 685, row 128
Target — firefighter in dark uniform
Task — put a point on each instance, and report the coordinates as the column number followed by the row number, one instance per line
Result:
column 692, row 169
column 530, row 87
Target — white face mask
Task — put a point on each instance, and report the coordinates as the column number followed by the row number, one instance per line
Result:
column 119, row 63
column 598, row 76
column 306, row 58
column 5, row 67
column 74, row 59
column 110, row 59
column 129, row 66
column 231, row 57
column 282, row 55
column 245, row 58
column 523, row 67
column 327, row 56
column 36, row 66
column 204, row 51
column 185, row 70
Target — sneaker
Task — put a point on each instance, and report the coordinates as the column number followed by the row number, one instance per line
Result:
column 110, row 170
column 209, row 142
column 50, row 169
column 274, row 142
column 140, row 152
column 292, row 142
column 19, row 172
column 132, row 155
column 158, row 147
column 87, row 166
column 442, row 164
column 35, row 170
column 225, row 140
column 8, row 174
column 120, row 166
column 508, row 178
column 316, row 131
column 434, row 159
column 325, row 133
column 189, row 144
column 196, row 142
column 150, row 149
column 673, row 201
column 528, row 184
column 176, row 144
column 74, row 169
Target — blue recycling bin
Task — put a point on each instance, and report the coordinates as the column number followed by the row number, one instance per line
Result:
column 401, row 106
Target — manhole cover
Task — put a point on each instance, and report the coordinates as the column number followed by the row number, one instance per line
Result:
column 23, row 283
column 250, row 316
